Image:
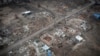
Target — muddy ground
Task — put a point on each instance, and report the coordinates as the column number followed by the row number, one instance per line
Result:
column 15, row 26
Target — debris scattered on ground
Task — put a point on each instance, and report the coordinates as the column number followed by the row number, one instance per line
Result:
column 78, row 23
column 45, row 47
column 26, row 28
column 59, row 33
column 63, row 38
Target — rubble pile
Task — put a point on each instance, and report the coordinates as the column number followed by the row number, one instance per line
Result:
column 78, row 23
